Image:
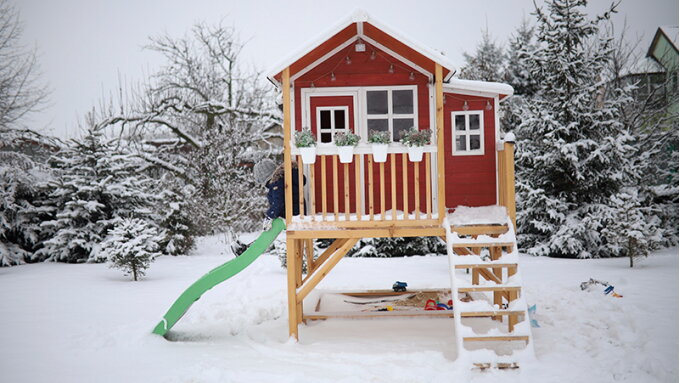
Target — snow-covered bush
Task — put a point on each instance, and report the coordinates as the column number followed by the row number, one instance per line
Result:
column 175, row 220
column 131, row 246
column 22, row 188
column 96, row 184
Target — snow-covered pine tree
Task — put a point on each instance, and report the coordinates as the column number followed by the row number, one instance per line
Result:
column 175, row 220
column 96, row 185
column 22, row 188
column 131, row 246
column 630, row 231
column 572, row 150
column 487, row 63
column 520, row 51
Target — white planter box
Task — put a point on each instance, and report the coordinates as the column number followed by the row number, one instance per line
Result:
column 379, row 152
column 415, row 153
column 346, row 154
column 308, row 155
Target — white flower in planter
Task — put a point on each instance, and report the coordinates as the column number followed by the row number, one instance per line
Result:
column 346, row 143
column 415, row 140
column 379, row 142
column 305, row 141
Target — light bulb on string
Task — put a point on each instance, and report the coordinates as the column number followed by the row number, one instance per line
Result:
column 391, row 70
column 488, row 105
column 348, row 60
column 332, row 76
column 465, row 106
column 372, row 55
column 411, row 76
column 312, row 85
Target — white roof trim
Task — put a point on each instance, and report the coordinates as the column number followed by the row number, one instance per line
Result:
column 361, row 16
column 495, row 88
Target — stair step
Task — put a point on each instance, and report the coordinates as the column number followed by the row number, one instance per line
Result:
column 474, row 289
column 490, row 313
column 484, row 243
column 484, row 366
column 479, row 229
column 501, row 338
column 485, row 265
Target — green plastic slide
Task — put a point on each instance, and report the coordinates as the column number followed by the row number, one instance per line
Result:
column 217, row 276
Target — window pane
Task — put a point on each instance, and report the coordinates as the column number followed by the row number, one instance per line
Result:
column 460, row 122
column 400, row 125
column 377, row 124
column 325, row 118
column 475, row 142
column 326, row 137
column 339, row 119
column 402, row 101
column 474, row 122
column 376, row 101
column 460, row 143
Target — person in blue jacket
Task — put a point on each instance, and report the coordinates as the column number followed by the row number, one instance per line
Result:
column 270, row 175
column 266, row 172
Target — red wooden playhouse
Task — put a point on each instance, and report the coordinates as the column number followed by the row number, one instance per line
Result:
column 364, row 77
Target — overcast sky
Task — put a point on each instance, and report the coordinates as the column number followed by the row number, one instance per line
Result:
column 85, row 44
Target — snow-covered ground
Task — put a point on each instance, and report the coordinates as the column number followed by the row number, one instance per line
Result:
column 87, row 323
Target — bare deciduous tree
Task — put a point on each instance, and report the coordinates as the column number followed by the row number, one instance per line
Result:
column 20, row 91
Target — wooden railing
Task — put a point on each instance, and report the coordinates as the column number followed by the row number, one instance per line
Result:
column 506, row 179
column 397, row 192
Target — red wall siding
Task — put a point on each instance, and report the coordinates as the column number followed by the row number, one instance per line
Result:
column 470, row 180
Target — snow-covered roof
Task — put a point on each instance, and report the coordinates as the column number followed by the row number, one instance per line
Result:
column 645, row 65
column 361, row 16
column 672, row 33
column 496, row 88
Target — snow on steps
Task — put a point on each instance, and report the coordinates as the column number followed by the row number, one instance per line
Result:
column 487, row 356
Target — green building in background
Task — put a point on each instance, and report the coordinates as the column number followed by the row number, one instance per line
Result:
column 664, row 50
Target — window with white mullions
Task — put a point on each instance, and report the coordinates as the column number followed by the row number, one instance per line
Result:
column 330, row 120
column 467, row 133
column 391, row 110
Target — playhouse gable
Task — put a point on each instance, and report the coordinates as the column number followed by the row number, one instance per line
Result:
column 358, row 28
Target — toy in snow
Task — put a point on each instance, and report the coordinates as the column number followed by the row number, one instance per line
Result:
column 608, row 288
column 431, row 304
column 532, row 311
column 399, row 286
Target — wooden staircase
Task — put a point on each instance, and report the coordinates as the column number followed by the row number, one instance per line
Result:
column 490, row 313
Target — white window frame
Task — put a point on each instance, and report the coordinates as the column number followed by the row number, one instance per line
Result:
column 390, row 116
column 333, row 130
column 466, row 133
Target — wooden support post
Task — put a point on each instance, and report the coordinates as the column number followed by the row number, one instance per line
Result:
column 357, row 185
column 501, row 178
column 301, row 187
column 393, row 184
column 509, row 154
column 496, row 253
column 416, row 191
column 312, row 192
column 345, row 173
column 370, row 187
column 288, row 175
column 441, row 179
column 335, row 187
column 382, row 191
column 428, row 185
column 299, row 249
column 404, row 181
column 309, row 252
column 475, row 276
column 512, row 319
column 292, row 289
column 324, row 186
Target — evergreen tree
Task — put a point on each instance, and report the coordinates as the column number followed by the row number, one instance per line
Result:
column 486, row 64
column 572, row 150
column 96, row 185
column 521, row 49
column 131, row 246
column 22, row 188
